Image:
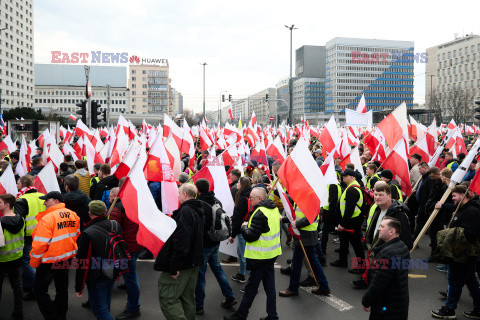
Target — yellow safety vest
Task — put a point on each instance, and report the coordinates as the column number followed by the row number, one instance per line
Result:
column 268, row 245
column 400, row 197
column 369, row 186
column 370, row 214
column 450, row 165
column 13, row 248
column 94, row 179
column 311, row 227
column 357, row 211
column 339, row 190
column 35, row 205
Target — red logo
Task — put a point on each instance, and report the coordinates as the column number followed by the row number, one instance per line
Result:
column 134, row 59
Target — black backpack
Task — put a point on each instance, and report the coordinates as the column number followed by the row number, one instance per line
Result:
column 116, row 258
column 221, row 228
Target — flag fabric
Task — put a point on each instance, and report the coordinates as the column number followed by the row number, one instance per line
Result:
column 304, row 180
column 230, row 113
column 276, row 151
column 72, row 117
column 157, row 167
column 395, row 125
column 46, row 180
column 397, row 162
column 154, row 227
column 128, row 160
column 463, row 167
column 289, row 212
column 329, row 136
column 7, row 182
column 475, row 183
column 362, row 106
column 8, row 144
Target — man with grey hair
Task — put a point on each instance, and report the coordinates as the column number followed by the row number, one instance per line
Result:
column 180, row 258
column 76, row 200
column 182, row 178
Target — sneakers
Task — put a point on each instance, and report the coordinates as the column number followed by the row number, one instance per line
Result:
column 128, row 315
column 199, row 311
column 444, row 313
column 339, row 263
column 443, row 268
column 228, row 303
column 308, row 282
column 287, row 293
column 472, row 314
column 239, row 278
column 336, row 241
column 242, row 290
column 230, row 259
column 359, row 284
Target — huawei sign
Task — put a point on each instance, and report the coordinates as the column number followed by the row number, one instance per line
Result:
column 134, row 59
column 94, row 57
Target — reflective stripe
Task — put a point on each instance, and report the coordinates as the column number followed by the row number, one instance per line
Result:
column 14, row 240
column 32, row 227
column 59, row 257
column 4, row 253
column 37, row 255
column 263, row 249
column 31, row 218
column 62, row 237
column 264, row 238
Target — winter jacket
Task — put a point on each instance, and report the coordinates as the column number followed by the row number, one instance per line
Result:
column 351, row 199
column 35, row 171
column 78, row 201
column 14, row 225
column 387, row 295
column 208, row 200
column 233, row 188
column 309, row 238
column 84, row 178
column 394, row 190
column 103, row 185
column 91, row 246
column 423, row 193
column 397, row 210
column 184, row 248
column 129, row 228
column 445, row 213
column 241, row 211
column 468, row 217
column 258, row 226
column 332, row 215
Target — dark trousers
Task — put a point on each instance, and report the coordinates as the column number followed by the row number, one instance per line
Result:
column 298, row 256
column 327, row 227
column 266, row 274
column 460, row 274
column 355, row 239
column 421, row 220
column 437, row 225
column 56, row 309
column 13, row 273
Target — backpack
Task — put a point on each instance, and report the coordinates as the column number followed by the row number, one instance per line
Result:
column 365, row 208
column 221, row 227
column 116, row 253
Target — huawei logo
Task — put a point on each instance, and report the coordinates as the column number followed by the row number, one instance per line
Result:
column 134, row 59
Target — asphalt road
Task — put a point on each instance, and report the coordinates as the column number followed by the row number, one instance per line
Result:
column 344, row 303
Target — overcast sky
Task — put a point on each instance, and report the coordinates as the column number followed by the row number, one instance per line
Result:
column 244, row 43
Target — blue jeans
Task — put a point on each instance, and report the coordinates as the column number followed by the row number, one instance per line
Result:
column 460, row 274
column 100, row 296
column 28, row 272
column 241, row 254
column 297, row 268
column 211, row 257
column 264, row 273
column 131, row 282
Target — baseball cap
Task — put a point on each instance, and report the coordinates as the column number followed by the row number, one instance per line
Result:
column 52, row 195
column 348, row 172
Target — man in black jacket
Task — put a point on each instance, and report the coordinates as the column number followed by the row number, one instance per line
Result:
column 387, row 296
column 91, row 253
column 429, row 175
column 181, row 257
column 460, row 274
column 37, row 166
column 210, row 252
column 384, row 207
column 107, row 182
column 76, row 200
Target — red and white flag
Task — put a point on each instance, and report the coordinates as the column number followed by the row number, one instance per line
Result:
column 253, row 120
column 8, row 144
column 276, row 151
column 421, row 147
column 304, row 181
column 231, row 113
column 289, row 211
column 46, row 180
column 72, row 117
column 154, row 227
column 329, row 136
column 397, row 162
column 475, row 183
column 395, row 125
column 362, row 106
column 205, row 142
column 23, row 165
column 128, row 161
column 171, row 127
column 463, row 167
column 7, row 182
column 157, row 167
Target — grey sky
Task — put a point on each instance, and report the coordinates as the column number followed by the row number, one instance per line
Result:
column 244, row 43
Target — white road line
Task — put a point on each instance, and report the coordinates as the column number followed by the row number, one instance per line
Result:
column 236, row 264
column 333, row 301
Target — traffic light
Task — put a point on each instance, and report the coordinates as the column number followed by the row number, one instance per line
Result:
column 477, row 109
column 230, row 98
column 95, row 113
column 223, row 98
column 105, row 115
column 83, row 110
column 266, row 97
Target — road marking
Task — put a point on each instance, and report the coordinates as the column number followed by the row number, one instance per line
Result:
column 236, row 264
column 333, row 301
column 417, row 276
column 145, row 260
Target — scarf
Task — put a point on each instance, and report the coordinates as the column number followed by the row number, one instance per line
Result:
column 23, row 191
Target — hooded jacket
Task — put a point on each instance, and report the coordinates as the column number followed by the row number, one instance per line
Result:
column 78, row 201
column 35, row 171
column 393, row 182
column 241, row 211
column 468, row 217
column 184, row 248
column 103, row 185
column 84, row 179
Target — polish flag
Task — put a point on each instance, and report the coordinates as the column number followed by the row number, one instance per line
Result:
column 67, row 149
column 328, row 170
column 276, row 151
column 253, row 120
column 251, row 137
column 474, row 184
column 187, row 146
column 119, row 149
column 230, row 155
column 289, row 211
column 434, row 160
column 463, row 167
column 329, row 136
column 362, row 106
column 46, row 180
column 205, row 141
column 451, row 125
column 8, row 144
column 127, row 161
column 397, row 163
column 72, row 117
column 231, row 113
column 304, row 181
column 174, row 157
column 421, row 147
column 23, row 165
column 82, row 129
column 89, row 153
column 7, row 182
column 55, row 155
column 394, row 126
column 170, row 126
column 157, row 167
column 154, row 227
column 355, row 159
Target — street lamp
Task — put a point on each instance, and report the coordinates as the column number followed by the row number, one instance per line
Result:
column 290, row 89
column 203, row 64
column 220, row 106
column 87, row 75
column 4, row 28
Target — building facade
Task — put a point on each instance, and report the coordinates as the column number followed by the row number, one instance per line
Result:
column 150, row 90
column 309, row 99
column 16, row 54
column 382, row 70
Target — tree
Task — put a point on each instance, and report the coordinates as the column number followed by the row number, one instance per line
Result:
column 457, row 104
column 189, row 117
column 23, row 112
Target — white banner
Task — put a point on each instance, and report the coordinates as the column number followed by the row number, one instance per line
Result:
column 354, row 118
column 2, row 237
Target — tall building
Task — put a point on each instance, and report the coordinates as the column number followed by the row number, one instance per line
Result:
column 149, row 88
column 16, row 54
column 453, row 73
column 310, row 62
column 282, row 99
column 381, row 69
column 176, row 103
column 309, row 99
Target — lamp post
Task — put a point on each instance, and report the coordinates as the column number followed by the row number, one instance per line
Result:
column 87, row 109
column 204, row 64
column 290, row 84
column 220, row 106
column 4, row 28
column 431, row 100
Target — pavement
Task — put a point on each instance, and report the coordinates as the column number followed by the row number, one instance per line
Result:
column 344, row 303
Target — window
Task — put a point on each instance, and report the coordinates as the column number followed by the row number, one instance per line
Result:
column 134, row 78
column 134, row 71
column 133, row 86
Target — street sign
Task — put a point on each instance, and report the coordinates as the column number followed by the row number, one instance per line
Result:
column 271, row 118
column 88, row 90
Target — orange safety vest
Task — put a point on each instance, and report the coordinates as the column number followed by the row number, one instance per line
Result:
column 55, row 237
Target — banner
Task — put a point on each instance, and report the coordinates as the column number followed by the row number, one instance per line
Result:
column 354, row 118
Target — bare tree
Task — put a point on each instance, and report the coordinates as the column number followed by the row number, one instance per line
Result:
column 189, row 117
column 457, row 103
column 436, row 105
